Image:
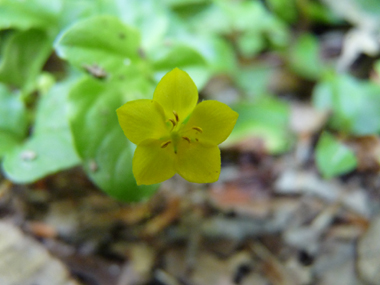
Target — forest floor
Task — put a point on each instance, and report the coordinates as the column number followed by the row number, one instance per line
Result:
column 268, row 220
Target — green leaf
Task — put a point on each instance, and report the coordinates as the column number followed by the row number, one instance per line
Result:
column 248, row 21
column 106, row 152
column 251, row 44
column 184, row 2
column 13, row 120
column 8, row 141
column 12, row 113
column 28, row 14
column 266, row 119
column 102, row 42
column 216, row 52
column 377, row 67
column 304, row 57
column 255, row 80
column 144, row 15
column 42, row 155
column 287, row 10
column 166, row 57
column 23, row 58
column 318, row 12
column 220, row 55
column 332, row 157
column 323, row 95
column 50, row 148
column 354, row 104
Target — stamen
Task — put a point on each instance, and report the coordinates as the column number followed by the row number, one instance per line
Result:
column 198, row 129
column 173, row 122
column 186, row 138
column 165, row 144
column 176, row 116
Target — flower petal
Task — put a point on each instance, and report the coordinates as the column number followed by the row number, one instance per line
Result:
column 215, row 120
column 176, row 92
column 197, row 162
column 142, row 119
column 152, row 163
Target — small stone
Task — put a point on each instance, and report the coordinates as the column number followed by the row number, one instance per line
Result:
column 93, row 165
column 28, row 155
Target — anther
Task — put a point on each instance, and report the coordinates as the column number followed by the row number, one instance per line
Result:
column 198, row 129
column 165, row 144
column 186, row 138
column 176, row 116
column 173, row 122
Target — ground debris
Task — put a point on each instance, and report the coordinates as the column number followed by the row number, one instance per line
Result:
column 25, row 261
column 368, row 253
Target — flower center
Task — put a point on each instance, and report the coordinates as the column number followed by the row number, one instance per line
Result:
column 176, row 135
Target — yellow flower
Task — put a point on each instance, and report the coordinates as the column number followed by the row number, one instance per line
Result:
column 175, row 135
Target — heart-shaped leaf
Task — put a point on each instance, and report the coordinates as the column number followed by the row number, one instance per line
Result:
column 106, row 152
column 100, row 43
column 50, row 148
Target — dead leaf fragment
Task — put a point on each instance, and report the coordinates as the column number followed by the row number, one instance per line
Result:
column 369, row 252
column 24, row 261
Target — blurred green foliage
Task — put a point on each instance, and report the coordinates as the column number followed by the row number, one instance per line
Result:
column 66, row 65
column 354, row 104
column 333, row 157
column 267, row 119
